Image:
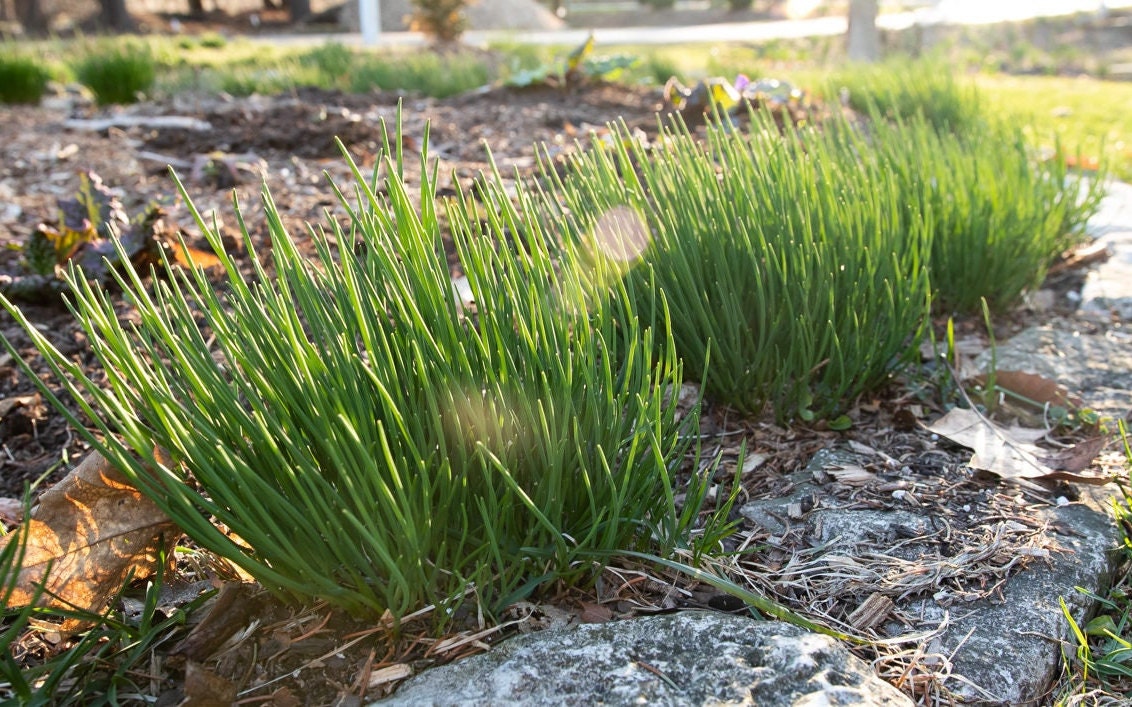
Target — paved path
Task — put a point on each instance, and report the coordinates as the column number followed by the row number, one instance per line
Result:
column 1108, row 288
column 970, row 12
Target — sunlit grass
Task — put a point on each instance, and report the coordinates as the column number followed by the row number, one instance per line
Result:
column 1085, row 114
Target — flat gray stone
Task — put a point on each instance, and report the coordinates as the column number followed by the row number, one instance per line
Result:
column 1009, row 650
column 1001, row 650
column 686, row 658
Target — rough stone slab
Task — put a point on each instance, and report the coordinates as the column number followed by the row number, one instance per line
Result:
column 770, row 513
column 701, row 657
column 1005, row 650
column 1010, row 650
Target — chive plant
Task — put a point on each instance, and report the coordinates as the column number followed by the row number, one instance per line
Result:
column 785, row 259
column 346, row 429
column 1000, row 217
column 904, row 90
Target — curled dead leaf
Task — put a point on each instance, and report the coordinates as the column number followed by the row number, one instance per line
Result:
column 11, row 511
column 1010, row 453
column 85, row 537
column 205, row 688
column 7, row 405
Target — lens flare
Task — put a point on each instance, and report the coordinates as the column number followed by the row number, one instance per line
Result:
column 621, row 234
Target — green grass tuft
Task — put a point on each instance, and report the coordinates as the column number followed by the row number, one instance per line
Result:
column 116, row 72
column 999, row 216
column 786, row 260
column 905, row 90
column 427, row 73
column 23, row 79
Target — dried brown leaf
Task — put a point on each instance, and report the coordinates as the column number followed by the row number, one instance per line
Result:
column 752, row 461
column 187, row 256
column 591, row 613
column 203, row 688
column 1033, row 387
column 11, row 511
column 1006, row 452
column 86, row 535
column 1078, row 457
column 7, row 405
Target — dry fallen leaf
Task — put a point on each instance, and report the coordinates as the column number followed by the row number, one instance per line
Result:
column 591, row 613
column 187, row 256
column 85, row 536
column 204, row 688
column 1007, row 452
column 7, row 405
column 11, row 511
column 1078, row 457
column 1032, row 387
column 752, row 461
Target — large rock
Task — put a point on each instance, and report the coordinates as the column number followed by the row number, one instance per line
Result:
column 687, row 658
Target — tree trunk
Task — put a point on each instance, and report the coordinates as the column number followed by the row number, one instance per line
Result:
column 196, row 8
column 299, row 10
column 864, row 39
column 115, row 15
column 30, row 15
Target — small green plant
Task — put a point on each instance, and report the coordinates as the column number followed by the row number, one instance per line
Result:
column 22, row 79
column 117, row 72
column 579, row 66
column 333, row 61
column 785, row 260
column 264, row 81
column 442, row 20
column 371, row 439
column 658, row 68
column 89, row 229
column 213, row 40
